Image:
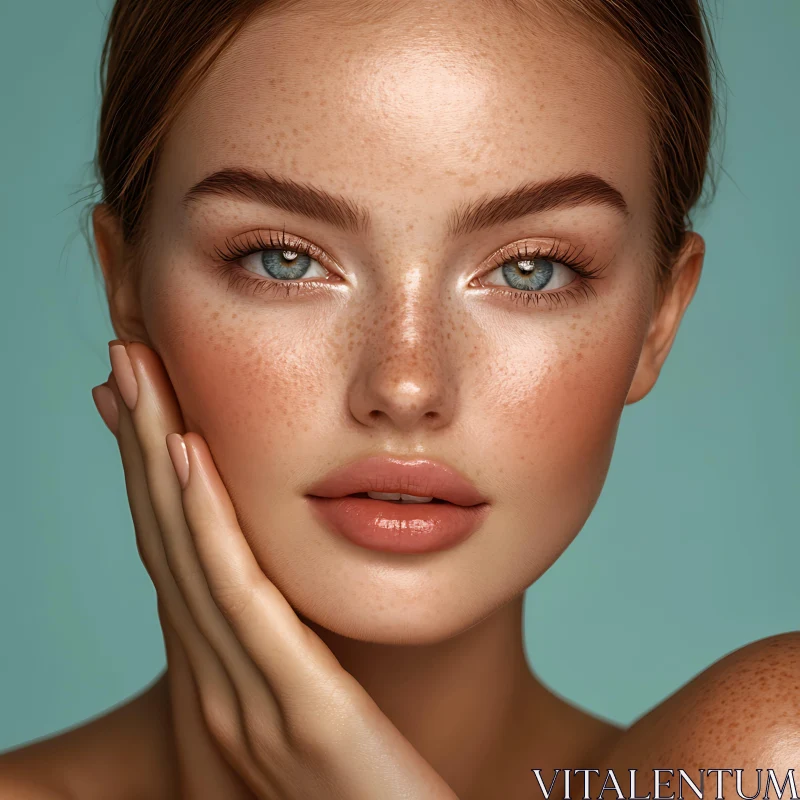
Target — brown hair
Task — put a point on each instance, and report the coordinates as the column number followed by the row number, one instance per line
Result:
column 157, row 51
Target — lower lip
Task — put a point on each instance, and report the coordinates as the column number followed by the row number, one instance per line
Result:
column 399, row 527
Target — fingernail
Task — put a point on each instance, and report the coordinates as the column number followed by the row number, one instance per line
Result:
column 123, row 372
column 179, row 456
column 106, row 405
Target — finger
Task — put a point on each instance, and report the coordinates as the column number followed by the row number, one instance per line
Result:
column 203, row 767
column 222, row 704
column 148, row 539
column 261, row 617
column 154, row 414
column 106, row 405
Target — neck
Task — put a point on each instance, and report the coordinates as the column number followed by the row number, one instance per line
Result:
column 470, row 706
column 466, row 704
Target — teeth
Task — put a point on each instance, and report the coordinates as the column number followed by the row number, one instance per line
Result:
column 412, row 498
column 403, row 498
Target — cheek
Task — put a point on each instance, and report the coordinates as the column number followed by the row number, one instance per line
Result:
column 555, row 409
column 250, row 389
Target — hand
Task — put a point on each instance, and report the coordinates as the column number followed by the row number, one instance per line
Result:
column 288, row 719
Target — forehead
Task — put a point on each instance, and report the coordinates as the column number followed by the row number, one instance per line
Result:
column 425, row 99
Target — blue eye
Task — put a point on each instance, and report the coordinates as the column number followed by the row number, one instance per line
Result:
column 283, row 265
column 534, row 274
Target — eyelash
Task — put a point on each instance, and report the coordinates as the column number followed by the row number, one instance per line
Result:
column 569, row 256
column 242, row 279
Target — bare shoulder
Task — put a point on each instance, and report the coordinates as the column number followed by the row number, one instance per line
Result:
column 47, row 768
column 105, row 757
column 16, row 785
column 743, row 710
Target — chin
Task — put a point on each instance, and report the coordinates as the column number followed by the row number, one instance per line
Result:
column 366, row 621
column 378, row 597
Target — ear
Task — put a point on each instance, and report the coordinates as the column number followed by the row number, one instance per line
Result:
column 664, row 325
column 122, row 286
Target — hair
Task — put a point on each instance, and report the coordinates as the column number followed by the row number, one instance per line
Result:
column 157, row 51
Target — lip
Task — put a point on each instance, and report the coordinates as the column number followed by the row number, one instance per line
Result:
column 423, row 477
column 394, row 527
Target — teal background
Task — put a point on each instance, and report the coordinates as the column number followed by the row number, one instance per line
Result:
column 691, row 552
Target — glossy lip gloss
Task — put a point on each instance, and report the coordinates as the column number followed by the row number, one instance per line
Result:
column 456, row 512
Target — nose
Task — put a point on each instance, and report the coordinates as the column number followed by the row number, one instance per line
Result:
column 406, row 377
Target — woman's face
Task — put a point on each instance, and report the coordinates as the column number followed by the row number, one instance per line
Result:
column 402, row 337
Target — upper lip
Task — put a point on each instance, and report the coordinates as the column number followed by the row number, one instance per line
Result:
column 422, row 477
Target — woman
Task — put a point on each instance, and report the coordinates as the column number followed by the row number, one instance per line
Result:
column 399, row 267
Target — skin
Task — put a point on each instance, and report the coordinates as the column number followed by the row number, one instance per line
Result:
column 404, row 355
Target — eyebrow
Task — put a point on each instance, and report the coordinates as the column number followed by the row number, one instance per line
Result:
column 300, row 198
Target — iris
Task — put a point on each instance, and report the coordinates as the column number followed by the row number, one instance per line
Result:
column 275, row 263
column 531, row 274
